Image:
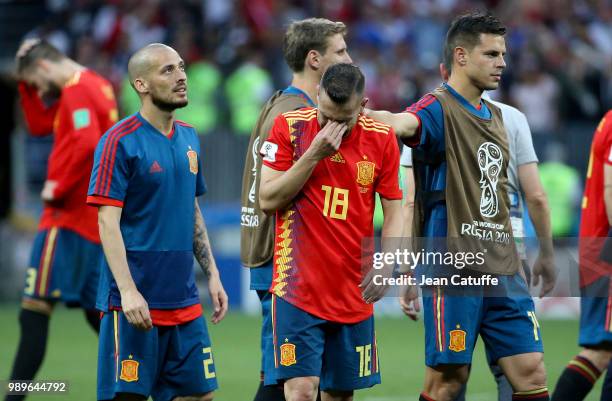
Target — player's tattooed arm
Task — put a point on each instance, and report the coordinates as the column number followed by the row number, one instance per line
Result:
column 201, row 243
column 203, row 253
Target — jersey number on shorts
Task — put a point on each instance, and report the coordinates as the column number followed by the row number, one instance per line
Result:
column 339, row 200
column 536, row 325
column 365, row 359
column 207, row 362
column 30, row 281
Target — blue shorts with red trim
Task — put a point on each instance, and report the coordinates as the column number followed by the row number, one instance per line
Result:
column 596, row 314
column 164, row 362
column 507, row 325
column 343, row 356
column 64, row 266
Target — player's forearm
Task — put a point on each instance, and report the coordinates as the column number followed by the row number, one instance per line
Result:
column 608, row 202
column 277, row 193
column 38, row 117
column 408, row 213
column 114, row 250
column 539, row 213
column 393, row 226
column 201, row 244
column 408, row 201
column 405, row 125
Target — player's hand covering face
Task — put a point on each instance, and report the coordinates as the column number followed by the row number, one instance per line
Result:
column 346, row 113
column 485, row 62
column 166, row 80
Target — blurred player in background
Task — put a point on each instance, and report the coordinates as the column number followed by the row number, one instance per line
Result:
column 322, row 167
column 309, row 47
column 66, row 253
column 475, row 44
column 583, row 371
column 523, row 180
column 145, row 180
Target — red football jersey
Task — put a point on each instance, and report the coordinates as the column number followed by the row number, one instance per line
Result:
column 318, row 247
column 85, row 110
column 594, row 221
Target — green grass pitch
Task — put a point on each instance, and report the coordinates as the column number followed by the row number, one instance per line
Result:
column 72, row 349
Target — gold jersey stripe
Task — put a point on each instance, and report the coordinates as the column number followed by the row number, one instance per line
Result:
column 300, row 113
column 373, row 129
column 370, row 122
column 47, row 256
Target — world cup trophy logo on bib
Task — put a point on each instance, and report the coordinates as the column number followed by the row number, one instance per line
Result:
column 255, row 155
column 490, row 160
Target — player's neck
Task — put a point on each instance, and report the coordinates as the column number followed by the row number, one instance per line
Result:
column 67, row 70
column 160, row 119
column 306, row 84
column 466, row 89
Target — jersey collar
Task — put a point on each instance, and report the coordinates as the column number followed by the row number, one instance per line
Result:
column 292, row 90
column 483, row 112
column 155, row 130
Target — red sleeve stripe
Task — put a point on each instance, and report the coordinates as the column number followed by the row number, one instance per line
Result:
column 106, row 151
column 110, row 165
column 421, row 104
column 103, row 201
column 109, row 147
column 129, row 122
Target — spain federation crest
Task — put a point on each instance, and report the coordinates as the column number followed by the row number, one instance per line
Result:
column 193, row 161
column 129, row 370
column 457, row 340
column 365, row 172
column 287, row 354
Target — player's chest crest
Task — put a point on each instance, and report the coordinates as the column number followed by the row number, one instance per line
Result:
column 359, row 168
column 192, row 157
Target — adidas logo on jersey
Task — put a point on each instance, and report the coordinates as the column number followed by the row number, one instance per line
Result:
column 155, row 168
column 337, row 158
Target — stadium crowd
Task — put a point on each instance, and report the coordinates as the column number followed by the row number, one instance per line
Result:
column 559, row 49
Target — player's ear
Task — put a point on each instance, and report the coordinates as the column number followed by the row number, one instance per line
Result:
column 313, row 60
column 141, row 86
column 460, row 56
column 43, row 64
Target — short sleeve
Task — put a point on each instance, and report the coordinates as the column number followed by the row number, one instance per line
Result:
column 277, row 151
column 110, row 174
column 525, row 153
column 387, row 184
column 406, row 158
column 428, row 111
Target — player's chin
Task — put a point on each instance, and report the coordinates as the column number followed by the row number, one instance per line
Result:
column 180, row 103
column 491, row 85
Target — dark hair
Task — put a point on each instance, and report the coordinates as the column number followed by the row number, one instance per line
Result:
column 41, row 50
column 340, row 81
column 465, row 31
column 306, row 35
